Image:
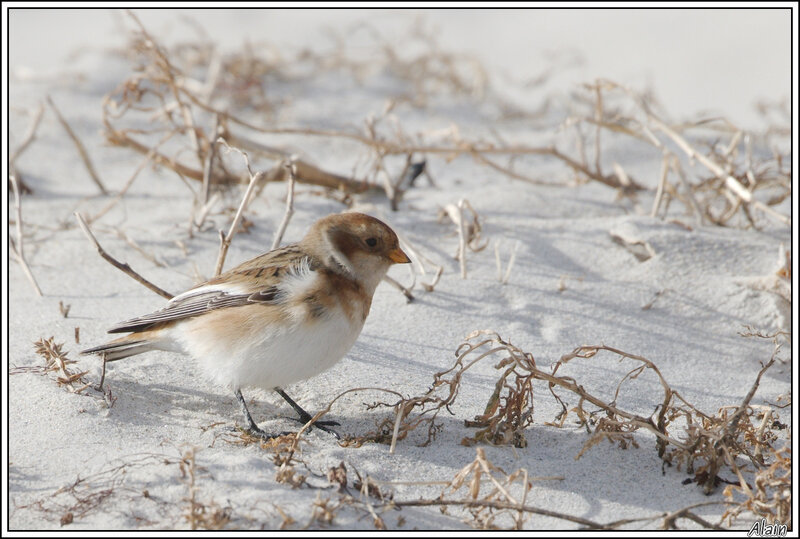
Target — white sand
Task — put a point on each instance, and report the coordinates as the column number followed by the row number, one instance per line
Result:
column 714, row 278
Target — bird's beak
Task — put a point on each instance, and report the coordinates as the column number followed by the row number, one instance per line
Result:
column 397, row 256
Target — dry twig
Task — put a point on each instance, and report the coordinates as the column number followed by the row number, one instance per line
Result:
column 501, row 277
column 405, row 290
column 56, row 361
column 17, row 247
column 119, row 265
column 147, row 159
column 487, row 504
column 79, row 145
column 200, row 515
column 92, row 492
column 290, row 170
column 27, row 139
column 225, row 240
column 711, row 441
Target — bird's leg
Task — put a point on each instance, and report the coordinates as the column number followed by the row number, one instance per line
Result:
column 250, row 425
column 305, row 417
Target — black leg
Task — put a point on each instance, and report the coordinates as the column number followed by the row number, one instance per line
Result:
column 250, row 425
column 305, row 417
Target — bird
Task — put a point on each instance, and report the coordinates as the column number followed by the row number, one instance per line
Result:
column 279, row 318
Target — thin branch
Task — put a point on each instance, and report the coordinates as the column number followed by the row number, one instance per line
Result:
column 462, row 240
column 102, row 376
column 208, row 166
column 668, row 519
column 79, row 145
column 693, row 204
column 502, row 505
column 120, row 138
column 119, row 265
column 395, row 283
column 661, row 183
column 149, row 157
column 503, row 279
column 731, row 183
column 330, row 404
column 169, row 71
column 610, row 180
column 737, row 415
column 418, row 261
column 18, row 247
column 225, row 240
column 598, row 116
column 720, row 446
column 290, row 171
column 130, row 241
column 304, row 171
column 659, row 428
column 390, row 148
column 201, row 213
column 508, row 171
column 27, row 139
column 385, row 147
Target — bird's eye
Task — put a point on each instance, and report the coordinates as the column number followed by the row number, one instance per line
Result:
column 372, row 242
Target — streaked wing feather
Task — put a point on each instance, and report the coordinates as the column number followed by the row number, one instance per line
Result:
column 194, row 305
column 254, row 281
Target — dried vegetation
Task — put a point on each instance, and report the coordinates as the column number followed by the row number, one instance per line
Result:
column 738, row 441
column 181, row 106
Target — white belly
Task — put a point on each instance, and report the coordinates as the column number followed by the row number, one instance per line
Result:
column 275, row 358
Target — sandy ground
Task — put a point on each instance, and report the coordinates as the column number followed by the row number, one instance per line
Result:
column 571, row 282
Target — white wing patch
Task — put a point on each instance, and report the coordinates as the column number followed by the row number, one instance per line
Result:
column 223, row 288
column 298, row 282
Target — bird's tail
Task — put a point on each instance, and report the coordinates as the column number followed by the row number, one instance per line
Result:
column 126, row 346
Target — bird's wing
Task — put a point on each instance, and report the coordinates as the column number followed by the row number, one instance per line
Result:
column 263, row 279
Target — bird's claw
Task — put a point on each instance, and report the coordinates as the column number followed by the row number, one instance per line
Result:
column 321, row 425
column 256, row 432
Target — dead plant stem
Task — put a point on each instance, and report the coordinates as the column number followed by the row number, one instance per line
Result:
column 290, row 173
column 80, row 147
column 19, row 250
column 119, row 265
column 225, row 240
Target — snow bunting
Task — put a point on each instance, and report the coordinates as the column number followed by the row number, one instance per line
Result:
column 281, row 317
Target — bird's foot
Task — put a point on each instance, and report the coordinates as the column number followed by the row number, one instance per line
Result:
column 256, row 432
column 321, row 425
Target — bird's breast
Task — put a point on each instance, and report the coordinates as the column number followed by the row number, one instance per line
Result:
column 332, row 295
